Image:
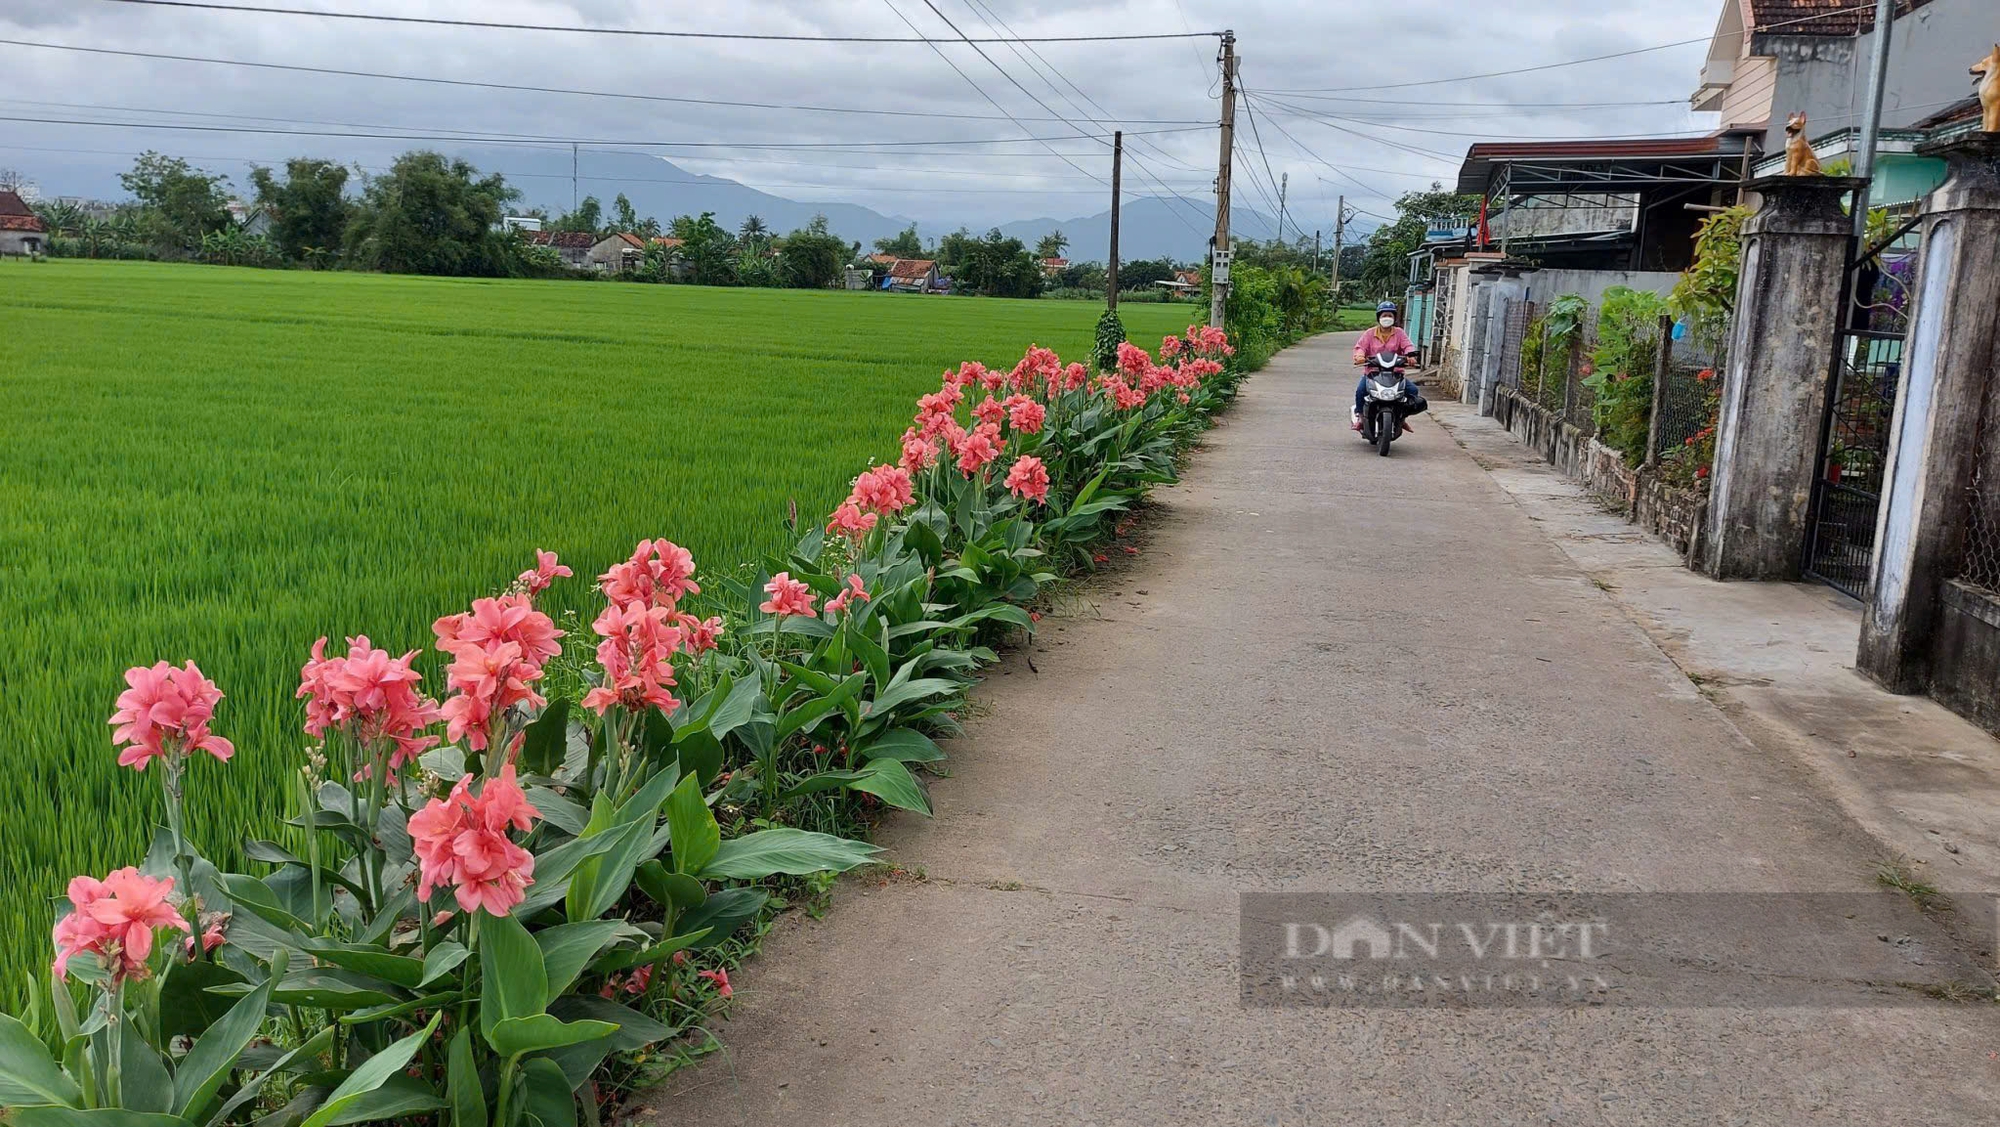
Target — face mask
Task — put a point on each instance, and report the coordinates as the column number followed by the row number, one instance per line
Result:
column 1386, row 322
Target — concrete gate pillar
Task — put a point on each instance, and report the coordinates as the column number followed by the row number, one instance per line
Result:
column 1949, row 374
column 1471, row 360
column 1795, row 252
column 1498, row 292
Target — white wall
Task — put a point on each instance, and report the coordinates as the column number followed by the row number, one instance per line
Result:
column 1547, row 285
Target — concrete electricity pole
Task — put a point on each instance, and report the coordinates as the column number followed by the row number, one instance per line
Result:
column 1339, row 238
column 1218, row 290
column 1871, row 114
column 1284, row 185
column 1117, row 174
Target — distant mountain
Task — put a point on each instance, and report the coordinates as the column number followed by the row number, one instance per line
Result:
column 663, row 190
column 1149, row 228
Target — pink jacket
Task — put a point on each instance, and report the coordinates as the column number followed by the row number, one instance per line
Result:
column 1372, row 343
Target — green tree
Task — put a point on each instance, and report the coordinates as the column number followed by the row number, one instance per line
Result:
column 430, row 214
column 1142, row 273
column 810, row 259
column 1386, row 266
column 903, row 244
column 628, row 220
column 182, row 203
column 753, row 230
column 309, row 209
column 954, row 248
column 708, row 250
column 1052, row 245
column 588, row 217
column 998, row 266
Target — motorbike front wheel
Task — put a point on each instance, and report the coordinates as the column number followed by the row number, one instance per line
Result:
column 1385, row 431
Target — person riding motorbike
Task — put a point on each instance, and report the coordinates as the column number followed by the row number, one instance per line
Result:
column 1388, row 337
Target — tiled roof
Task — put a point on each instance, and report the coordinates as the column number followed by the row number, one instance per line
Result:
column 882, row 259
column 11, row 204
column 564, row 240
column 910, row 268
column 1819, row 17
column 1950, row 115
column 631, row 240
column 21, row 223
column 664, row 241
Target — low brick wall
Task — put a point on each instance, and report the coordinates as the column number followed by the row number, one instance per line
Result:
column 1674, row 515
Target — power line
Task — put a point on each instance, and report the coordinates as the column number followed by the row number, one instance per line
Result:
column 511, row 139
column 994, row 22
column 436, row 21
column 523, row 88
column 1486, row 104
column 1577, row 62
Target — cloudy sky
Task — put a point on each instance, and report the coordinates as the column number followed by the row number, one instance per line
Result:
column 1325, row 81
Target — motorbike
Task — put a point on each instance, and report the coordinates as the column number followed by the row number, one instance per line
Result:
column 1382, row 407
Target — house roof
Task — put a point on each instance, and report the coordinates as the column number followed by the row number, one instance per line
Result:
column 882, row 259
column 564, row 240
column 21, row 223
column 1951, row 115
column 666, row 241
column 630, row 239
column 1484, row 161
column 12, row 204
column 1058, row 263
column 1818, row 17
column 911, row 267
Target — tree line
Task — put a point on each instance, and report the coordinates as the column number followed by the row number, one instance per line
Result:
column 433, row 214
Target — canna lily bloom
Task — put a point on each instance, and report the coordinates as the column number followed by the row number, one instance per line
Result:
column 461, row 840
column 720, row 977
column 990, row 410
column 637, row 658
column 1028, row 479
column 547, row 570
column 702, row 634
column 1075, row 376
column 114, row 919
column 1170, row 347
column 369, row 694
column 509, row 618
column 490, row 679
column 919, row 452
column 977, row 447
column 1024, row 414
column 883, row 489
column 848, row 520
column 1132, row 360
column 165, row 712
column 789, row 597
column 660, row 573
column 855, row 589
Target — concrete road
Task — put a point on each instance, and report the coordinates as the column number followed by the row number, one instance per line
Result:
column 1325, row 671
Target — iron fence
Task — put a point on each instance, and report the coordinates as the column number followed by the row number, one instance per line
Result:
column 1981, row 563
column 1689, row 403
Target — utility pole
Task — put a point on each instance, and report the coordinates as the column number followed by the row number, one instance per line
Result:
column 1871, row 114
column 1284, row 185
column 1315, row 250
column 1117, row 177
column 1218, row 290
column 1339, row 238
column 572, row 177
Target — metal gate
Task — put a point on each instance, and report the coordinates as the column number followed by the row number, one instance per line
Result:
column 1861, row 402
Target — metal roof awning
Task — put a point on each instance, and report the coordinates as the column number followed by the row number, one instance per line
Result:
column 1612, row 165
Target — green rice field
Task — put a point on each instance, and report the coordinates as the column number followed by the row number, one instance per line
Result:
column 222, row 465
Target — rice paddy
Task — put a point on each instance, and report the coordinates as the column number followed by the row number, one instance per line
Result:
column 222, row 465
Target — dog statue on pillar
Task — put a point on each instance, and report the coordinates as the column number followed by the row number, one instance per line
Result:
column 1988, row 71
column 1800, row 160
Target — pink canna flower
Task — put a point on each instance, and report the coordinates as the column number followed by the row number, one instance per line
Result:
column 545, row 572
column 789, row 597
column 1075, row 376
column 990, row 410
column 490, row 679
column 1132, row 360
column 976, row 448
column 165, row 712
column 883, row 489
column 1170, row 347
column 114, row 919
column 855, row 589
column 848, row 520
column 1024, row 414
column 660, row 573
column 720, row 977
column 919, row 452
column 702, row 634
column 461, row 841
column 969, row 373
column 1028, row 479
column 637, row 658
column 509, row 618
column 370, row 695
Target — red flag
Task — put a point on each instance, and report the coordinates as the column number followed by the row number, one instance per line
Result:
column 1485, row 236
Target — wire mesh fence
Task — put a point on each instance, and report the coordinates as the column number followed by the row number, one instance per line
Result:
column 1689, row 403
column 1981, row 565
